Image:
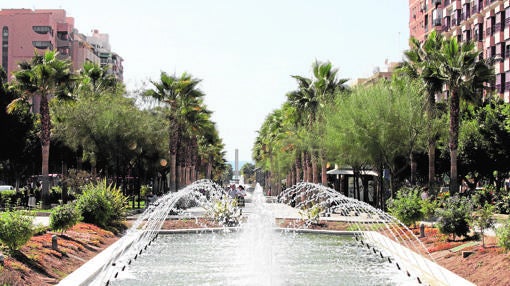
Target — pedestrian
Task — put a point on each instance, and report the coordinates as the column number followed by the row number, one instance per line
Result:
column 232, row 191
column 240, row 194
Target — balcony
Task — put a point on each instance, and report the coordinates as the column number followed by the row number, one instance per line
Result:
column 445, row 28
column 497, row 27
column 42, row 45
column 475, row 10
column 489, row 31
column 507, row 22
column 63, row 43
column 455, row 21
column 436, row 22
column 507, row 86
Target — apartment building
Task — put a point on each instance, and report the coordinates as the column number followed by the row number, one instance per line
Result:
column 485, row 22
column 25, row 31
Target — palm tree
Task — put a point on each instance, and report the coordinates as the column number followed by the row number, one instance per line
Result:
column 465, row 75
column 309, row 100
column 45, row 77
column 419, row 64
column 171, row 91
column 96, row 79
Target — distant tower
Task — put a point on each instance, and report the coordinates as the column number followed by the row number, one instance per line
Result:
column 236, row 171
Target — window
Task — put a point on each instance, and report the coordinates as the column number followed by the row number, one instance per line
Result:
column 5, row 48
column 467, row 35
column 478, row 32
column 502, row 51
column 507, row 80
column 42, row 30
column 490, row 23
column 42, row 45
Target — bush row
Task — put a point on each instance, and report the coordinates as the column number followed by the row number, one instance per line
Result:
column 100, row 204
column 455, row 215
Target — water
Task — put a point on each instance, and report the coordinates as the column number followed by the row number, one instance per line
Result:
column 291, row 259
column 257, row 254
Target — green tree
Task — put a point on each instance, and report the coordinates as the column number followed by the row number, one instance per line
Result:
column 248, row 171
column 46, row 77
column 484, row 141
column 407, row 206
column 95, row 79
column 465, row 75
column 419, row 65
column 454, row 216
column 172, row 91
column 390, row 127
column 310, row 99
column 483, row 219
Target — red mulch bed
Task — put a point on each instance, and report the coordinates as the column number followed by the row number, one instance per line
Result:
column 488, row 265
column 38, row 264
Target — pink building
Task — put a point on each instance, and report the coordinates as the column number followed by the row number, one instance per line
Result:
column 26, row 31
column 484, row 22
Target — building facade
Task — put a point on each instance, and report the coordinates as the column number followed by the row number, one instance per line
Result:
column 26, row 31
column 485, row 22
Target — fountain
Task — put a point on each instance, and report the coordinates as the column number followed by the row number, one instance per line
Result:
column 255, row 254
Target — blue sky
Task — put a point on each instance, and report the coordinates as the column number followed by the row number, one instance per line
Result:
column 244, row 51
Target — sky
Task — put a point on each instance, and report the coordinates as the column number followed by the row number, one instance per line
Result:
column 244, row 51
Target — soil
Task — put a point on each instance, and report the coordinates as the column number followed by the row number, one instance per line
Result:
column 38, row 264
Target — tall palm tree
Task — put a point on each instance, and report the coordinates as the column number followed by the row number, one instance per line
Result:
column 45, row 77
column 309, row 100
column 419, row 64
column 465, row 74
column 171, row 91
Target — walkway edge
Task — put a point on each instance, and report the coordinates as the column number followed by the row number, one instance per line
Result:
column 86, row 273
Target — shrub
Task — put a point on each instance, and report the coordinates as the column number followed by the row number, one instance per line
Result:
column 428, row 207
column 484, row 196
column 64, row 217
column 311, row 215
column 102, row 204
column 503, row 235
column 15, row 229
column 454, row 216
column 7, row 198
column 483, row 219
column 502, row 201
column 224, row 211
column 407, row 206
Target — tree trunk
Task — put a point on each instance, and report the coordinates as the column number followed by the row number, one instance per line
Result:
column 304, row 165
column 45, row 150
column 454, row 140
column 209, row 170
column 413, row 169
column 431, row 108
column 298, row 170
column 432, row 164
column 324, row 171
column 315, row 169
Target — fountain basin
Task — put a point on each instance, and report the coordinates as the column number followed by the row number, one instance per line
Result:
column 219, row 258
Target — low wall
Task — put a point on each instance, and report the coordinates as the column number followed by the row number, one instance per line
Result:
column 415, row 264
